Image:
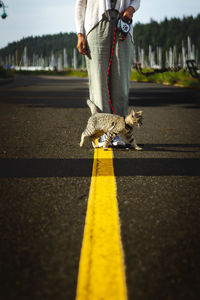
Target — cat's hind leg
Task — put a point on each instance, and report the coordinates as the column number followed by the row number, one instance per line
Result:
column 110, row 136
column 92, row 138
column 94, row 145
column 83, row 136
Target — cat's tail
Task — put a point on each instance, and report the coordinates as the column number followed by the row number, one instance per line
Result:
column 92, row 107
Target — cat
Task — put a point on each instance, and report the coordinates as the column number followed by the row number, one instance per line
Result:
column 112, row 125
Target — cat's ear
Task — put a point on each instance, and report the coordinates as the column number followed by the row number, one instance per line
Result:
column 139, row 113
column 132, row 113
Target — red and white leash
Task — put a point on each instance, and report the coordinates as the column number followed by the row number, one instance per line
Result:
column 109, row 67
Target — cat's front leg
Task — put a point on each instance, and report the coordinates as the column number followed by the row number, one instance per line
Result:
column 136, row 147
column 133, row 142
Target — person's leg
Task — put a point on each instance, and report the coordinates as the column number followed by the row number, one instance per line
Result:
column 120, row 75
column 99, row 42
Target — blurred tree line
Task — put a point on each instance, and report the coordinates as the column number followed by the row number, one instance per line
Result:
column 168, row 33
column 43, row 46
column 165, row 34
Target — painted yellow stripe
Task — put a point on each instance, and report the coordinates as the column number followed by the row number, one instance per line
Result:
column 101, row 268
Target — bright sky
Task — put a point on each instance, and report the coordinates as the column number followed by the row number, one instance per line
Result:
column 38, row 17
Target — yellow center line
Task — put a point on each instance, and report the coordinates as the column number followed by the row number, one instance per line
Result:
column 101, row 267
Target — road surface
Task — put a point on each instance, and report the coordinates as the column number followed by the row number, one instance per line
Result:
column 45, row 180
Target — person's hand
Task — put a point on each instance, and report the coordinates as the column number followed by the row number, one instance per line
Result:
column 128, row 13
column 81, row 44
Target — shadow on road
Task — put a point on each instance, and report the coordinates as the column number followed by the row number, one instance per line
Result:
column 164, row 96
column 168, row 148
column 28, row 93
column 83, row 167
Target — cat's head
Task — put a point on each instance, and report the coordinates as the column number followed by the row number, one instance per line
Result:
column 135, row 118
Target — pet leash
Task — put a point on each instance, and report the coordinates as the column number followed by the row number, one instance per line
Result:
column 123, row 29
column 109, row 67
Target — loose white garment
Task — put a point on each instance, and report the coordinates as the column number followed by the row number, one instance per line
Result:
column 88, row 13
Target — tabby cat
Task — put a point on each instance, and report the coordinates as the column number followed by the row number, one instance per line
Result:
column 112, row 125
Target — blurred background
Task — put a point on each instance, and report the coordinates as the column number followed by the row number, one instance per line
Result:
column 41, row 34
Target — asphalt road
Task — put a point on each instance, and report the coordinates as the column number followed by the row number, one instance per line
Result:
column 45, row 179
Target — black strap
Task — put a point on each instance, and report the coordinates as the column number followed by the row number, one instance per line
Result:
column 113, row 3
column 128, row 127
